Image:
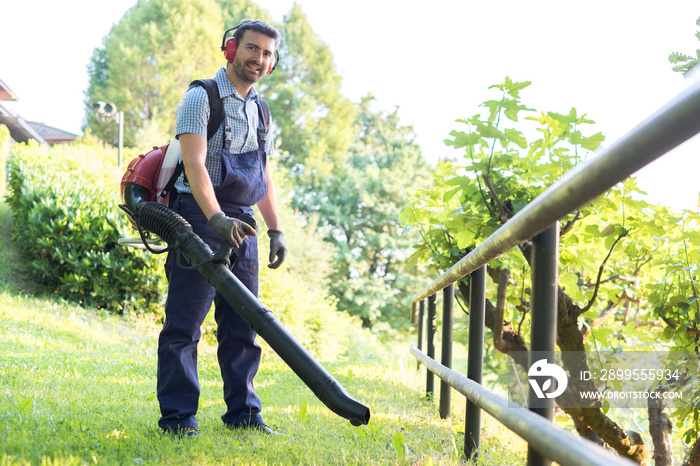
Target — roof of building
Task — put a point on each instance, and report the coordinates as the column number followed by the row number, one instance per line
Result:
column 22, row 130
column 50, row 134
column 6, row 93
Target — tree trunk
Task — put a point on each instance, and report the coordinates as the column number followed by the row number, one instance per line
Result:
column 511, row 341
column 570, row 339
column 660, row 428
column 694, row 458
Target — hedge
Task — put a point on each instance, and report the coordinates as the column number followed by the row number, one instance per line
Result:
column 66, row 221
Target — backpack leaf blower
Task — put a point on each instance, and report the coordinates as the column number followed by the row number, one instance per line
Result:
column 159, row 219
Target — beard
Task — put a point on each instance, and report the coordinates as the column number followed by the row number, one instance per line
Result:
column 246, row 74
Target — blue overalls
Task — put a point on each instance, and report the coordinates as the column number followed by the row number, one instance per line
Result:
column 190, row 297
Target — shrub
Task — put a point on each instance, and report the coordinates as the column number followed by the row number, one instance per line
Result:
column 66, row 222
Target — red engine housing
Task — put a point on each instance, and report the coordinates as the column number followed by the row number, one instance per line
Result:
column 143, row 171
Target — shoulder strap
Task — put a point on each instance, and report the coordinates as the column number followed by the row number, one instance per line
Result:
column 216, row 116
column 216, row 105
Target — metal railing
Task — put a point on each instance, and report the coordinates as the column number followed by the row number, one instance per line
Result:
column 670, row 126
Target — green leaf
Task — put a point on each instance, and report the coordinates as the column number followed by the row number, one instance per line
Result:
column 609, row 241
column 569, row 280
column 492, row 132
column 494, row 107
column 464, row 238
column 462, row 139
column 513, row 88
column 608, row 230
column 593, row 229
column 592, row 142
column 677, row 57
column 668, row 333
column 518, row 205
column 603, row 334
column 398, row 441
column 516, row 137
column 447, row 197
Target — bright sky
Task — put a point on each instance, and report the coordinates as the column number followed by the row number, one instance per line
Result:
column 434, row 60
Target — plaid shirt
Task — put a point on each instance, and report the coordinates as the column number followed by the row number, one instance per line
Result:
column 241, row 115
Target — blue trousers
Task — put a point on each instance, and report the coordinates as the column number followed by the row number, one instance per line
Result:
column 189, row 300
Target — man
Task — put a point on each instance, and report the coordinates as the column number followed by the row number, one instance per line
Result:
column 223, row 178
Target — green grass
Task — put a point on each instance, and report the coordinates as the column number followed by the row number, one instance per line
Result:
column 78, row 387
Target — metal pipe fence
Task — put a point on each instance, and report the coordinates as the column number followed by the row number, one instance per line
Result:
column 669, row 127
column 552, row 441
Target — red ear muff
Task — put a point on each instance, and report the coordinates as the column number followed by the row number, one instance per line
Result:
column 273, row 63
column 230, row 49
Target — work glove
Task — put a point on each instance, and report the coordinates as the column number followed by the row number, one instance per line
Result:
column 231, row 229
column 277, row 248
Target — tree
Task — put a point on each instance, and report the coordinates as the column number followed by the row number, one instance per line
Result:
column 628, row 270
column 349, row 168
column 313, row 117
column 147, row 62
column 359, row 204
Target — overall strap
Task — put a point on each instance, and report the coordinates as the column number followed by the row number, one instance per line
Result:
column 264, row 116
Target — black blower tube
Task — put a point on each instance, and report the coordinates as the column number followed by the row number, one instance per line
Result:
column 177, row 232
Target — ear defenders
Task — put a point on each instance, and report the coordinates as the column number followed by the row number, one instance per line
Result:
column 230, row 45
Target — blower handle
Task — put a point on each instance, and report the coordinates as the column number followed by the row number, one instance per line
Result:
column 224, row 252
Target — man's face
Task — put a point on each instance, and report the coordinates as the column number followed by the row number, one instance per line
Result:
column 255, row 54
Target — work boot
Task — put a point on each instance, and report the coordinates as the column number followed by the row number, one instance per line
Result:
column 263, row 428
column 183, row 432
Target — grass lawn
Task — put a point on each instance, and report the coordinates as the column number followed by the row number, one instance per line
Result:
column 78, row 387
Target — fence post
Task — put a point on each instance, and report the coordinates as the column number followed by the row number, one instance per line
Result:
column 543, row 333
column 430, row 377
column 448, row 300
column 475, row 357
column 421, row 319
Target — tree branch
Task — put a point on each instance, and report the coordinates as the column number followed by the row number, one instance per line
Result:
column 607, row 312
column 674, row 325
column 501, row 209
column 510, row 340
column 501, row 295
column 610, row 309
column 570, row 224
column 630, row 279
column 600, row 273
column 612, row 278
